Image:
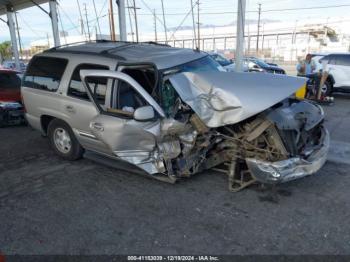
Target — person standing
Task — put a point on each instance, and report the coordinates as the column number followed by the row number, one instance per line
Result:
column 306, row 67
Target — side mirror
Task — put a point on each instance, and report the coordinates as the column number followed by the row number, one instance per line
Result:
column 144, row 113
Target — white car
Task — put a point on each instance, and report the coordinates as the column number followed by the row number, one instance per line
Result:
column 338, row 67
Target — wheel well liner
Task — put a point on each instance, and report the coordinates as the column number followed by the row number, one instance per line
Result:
column 45, row 121
column 330, row 78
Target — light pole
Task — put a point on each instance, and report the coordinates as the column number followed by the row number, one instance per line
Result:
column 240, row 35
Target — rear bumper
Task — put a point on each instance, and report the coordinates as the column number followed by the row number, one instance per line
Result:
column 292, row 168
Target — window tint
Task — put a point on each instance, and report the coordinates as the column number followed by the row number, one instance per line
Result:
column 76, row 88
column 9, row 81
column 45, row 73
column 343, row 60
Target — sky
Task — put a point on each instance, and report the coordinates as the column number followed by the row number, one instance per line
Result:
column 34, row 24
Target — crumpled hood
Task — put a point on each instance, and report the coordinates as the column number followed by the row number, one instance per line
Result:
column 222, row 98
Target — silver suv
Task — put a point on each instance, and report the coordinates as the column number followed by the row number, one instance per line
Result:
column 173, row 113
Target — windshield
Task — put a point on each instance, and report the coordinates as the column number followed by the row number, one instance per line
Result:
column 200, row 65
column 221, row 60
column 260, row 63
column 9, row 81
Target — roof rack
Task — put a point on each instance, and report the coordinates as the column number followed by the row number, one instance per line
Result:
column 104, row 41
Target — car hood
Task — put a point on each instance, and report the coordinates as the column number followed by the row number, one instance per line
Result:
column 222, row 98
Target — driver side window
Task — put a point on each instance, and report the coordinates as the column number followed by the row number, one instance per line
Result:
column 125, row 99
column 128, row 99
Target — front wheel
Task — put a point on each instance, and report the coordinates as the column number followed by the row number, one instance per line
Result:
column 63, row 141
column 327, row 88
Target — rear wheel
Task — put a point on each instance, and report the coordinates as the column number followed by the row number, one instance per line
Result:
column 63, row 141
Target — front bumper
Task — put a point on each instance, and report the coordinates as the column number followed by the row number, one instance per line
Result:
column 292, row 168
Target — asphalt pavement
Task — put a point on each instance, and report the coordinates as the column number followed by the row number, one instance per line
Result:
column 52, row 206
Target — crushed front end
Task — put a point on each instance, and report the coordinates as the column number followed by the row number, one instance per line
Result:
column 304, row 143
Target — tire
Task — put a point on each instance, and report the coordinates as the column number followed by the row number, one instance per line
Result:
column 327, row 88
column 63, row 141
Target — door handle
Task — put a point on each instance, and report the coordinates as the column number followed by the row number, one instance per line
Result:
column 70, row 108
column 97, row 126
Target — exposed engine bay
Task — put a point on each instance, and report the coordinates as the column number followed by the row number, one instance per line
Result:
column 280, row 133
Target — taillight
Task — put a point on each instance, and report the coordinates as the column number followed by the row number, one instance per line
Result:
column 22, row 101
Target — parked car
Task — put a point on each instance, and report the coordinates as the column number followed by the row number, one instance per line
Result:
column 173, row 113
column 11, row 110
column 12, row 65
column 338, row 72
column 259, row 65
column 227, row 64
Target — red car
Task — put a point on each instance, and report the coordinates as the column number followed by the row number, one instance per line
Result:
column 11, row 109
column 10, row 86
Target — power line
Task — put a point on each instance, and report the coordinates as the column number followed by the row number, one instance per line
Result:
column 81, row 19
column 264, row 11
column 183, row 20
column 130, row 22
column 99, row 14
column 165, row 29
column 154, row 14
column 30, row 28
column 97, row 22
column 67, row 16
column 87, row 21
column 60, row 19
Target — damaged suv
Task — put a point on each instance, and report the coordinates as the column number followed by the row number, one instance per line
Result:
column 173, row 113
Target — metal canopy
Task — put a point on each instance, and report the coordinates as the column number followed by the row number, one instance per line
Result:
column 18, row 4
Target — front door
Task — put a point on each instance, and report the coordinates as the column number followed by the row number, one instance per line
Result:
column 130, row 125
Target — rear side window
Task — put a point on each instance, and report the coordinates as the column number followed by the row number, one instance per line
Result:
column 331, row 59
column 76, row 88
column 343, row 60
column 45, row 73
column 9, row 81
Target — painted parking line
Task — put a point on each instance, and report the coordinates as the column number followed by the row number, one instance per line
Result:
column 339, row 152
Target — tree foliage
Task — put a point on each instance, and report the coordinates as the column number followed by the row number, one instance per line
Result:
column 5, row 50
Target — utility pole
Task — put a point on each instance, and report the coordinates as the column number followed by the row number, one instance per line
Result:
column 19, row 36
column 111, row 20
column 122, row 20
column 81, row 20
column 198, row 27
column 136, row 26
column 87, row 21
column 155, row 25
column 130, row 22
column 257, row 37
column 164, row 23
column 240, row 35
column 193, row 25
column 97, row 21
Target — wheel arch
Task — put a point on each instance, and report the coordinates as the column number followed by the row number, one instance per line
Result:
column 45, row 120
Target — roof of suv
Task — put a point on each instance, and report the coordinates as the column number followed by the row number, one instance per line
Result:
column 163, row 56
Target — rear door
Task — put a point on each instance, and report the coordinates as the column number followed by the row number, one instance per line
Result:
column 77, row 107
column 341, row 72
column 132, row 140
